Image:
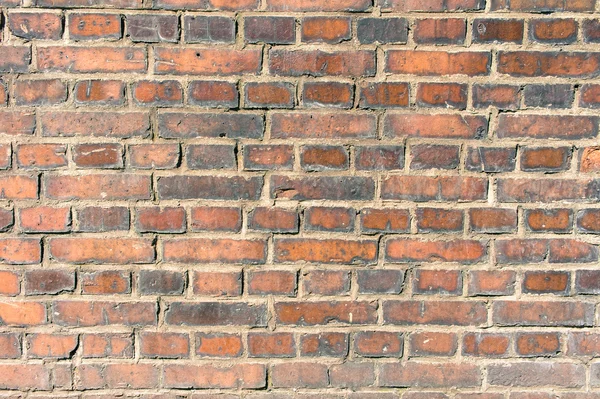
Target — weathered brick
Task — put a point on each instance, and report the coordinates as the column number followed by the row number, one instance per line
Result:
column 49, row 282
column 102, row 250
column 321, row 63
column 71, row 59
column 208, row 29
column 460, row 313
column 216, row 313
column 213, row 94
column 528, row 374
column 187, row 61
column 93, row 26
column 442, row 126
column 97, row 313
column 193, row 250
column 185, row 125
column 437, row 63
column 326, row 29
column 440, row 31
column 153, row 28
column 430, row 375
column 326, row 282
column 272, row 30
column 209, row 187
column 425, row 188
column 321, row 313
column 36, row 25
column 537, row 63
column 161, row 282
column 378, row 344
column 325, row 250
column 105, row 282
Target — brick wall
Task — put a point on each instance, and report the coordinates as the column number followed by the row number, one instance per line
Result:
column 339, row 199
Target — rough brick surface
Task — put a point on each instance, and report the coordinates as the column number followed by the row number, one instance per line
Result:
column 299, row 199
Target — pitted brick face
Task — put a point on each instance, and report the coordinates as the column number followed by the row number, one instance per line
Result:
column 299, row 199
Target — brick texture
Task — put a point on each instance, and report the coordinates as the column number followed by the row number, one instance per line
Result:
column 299, row 199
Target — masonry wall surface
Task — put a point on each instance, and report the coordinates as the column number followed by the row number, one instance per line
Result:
column 339, row 199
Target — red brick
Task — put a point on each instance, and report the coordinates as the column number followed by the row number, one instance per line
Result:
column 51, row 346
column 30, row 25
column 591, row 31
column 571, row 251
column 218, row 345
column 378, row 344
column 339, row 188
column 15, row 58
column 194, row 250
column 537, row 344
column 96, row 219
column 271, row 345
column 503, row 97
column 386, row 220
column 98, row 155
column 549, row 220
column 528, row 374
column 73, row 59
column 427, row 156
column 317, row 158
column 280, row 220
column 45, row 219
column 498, row 30
column 432, row 5
column 433, row 344
column 40, row 92
column 25, row 314
column 226, row 5
column 437, row 63
column 380, row 281
column 160, row 94
column 437, row 282
column 412, row 250
column 545, row 7
column 216, row 219
column 10, row 284
column 101, row 313
column 10, row 346
column 542, row 313
column 272, row 282
column 154, row 156
column 161, row 282
column 238, row 376
column 107, row 346
column 546, row 190
column 492, row 282
column 325, row 251
column 430, row 375
column 93, row 26
column 16, row 123
column 328, row 94
column 445, row 95
column 559, row 64
column 545, row 159
column 583, row 343
column 326, row 282
column 217, row 283
column 88, row 3
column 160, row 220
column 20, row 251
column 319, row 313
column 439, row 220
column 459, row 313
column 441, row 126
column 440, row 31
column 105, row 282
column 518, row 251
column 299, row 375
column 232, row 125
column 209, row 187
column 153, row 28
column 25, row 377
column 102, row 250
column 352, row 375
column 268, row 157
column 554, row 30
column 324, row 344
column 272, row 30
column 99, row 187
column 326, row 29
column 101, row 124
column 100, row 92
column 41, row 156
column 323, row 125
column 493, row 220
column 164, row 345
column 546, row 282
column 187, row 61
column 320, row 63
column 117, row 375
column 589, row 159
column 214, row 94
column 486, row 344
column 44, row 281
column 319, row 5
column 384, row 95
column 329, row 218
